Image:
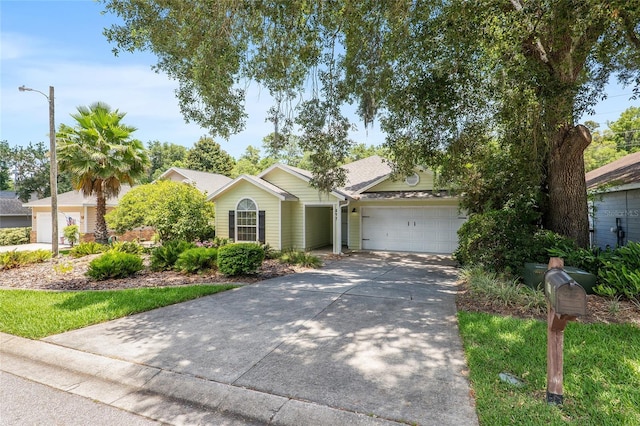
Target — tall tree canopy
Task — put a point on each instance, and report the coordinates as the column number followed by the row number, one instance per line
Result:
column 438, row 74
column 5, row 154
column 30, row 169
column 100, row 155
column 163, row 156
column 207, row 156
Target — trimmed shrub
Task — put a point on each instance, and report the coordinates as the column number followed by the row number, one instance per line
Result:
column 14, row 236
column 85, row 249
column 165, row 257
column 71, row 234
column 114, row 264
column 197, row 260
column 240, row 258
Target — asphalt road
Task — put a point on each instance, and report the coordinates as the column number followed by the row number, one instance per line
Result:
column 23, row 402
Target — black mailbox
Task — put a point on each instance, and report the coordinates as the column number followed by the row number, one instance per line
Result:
column 565, row 296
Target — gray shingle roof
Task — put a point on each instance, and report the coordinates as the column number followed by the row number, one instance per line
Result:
column 623, row 171
column 75, row 198
column 13, row 207
column 363, row 173
column 205, row 182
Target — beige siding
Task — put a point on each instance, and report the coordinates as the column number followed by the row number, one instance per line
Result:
column 355, row 218
column 298, row 187
column 425, row 184
column 265, row 201
column 174, row 176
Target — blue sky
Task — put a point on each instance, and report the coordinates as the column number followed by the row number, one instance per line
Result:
column 60, row 44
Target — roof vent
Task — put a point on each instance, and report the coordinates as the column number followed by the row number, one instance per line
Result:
column 412, row 180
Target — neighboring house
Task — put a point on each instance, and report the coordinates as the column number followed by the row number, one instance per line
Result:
column 74, row 208
column 12, row 213
column 207, row 183
column 615, row 219
column 371, row 212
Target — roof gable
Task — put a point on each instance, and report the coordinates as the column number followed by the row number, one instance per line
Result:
column 623, row 171
column 304, row 175
column 205, row 182
column 259, row 183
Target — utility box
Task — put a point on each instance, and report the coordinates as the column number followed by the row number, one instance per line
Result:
column 564, row 294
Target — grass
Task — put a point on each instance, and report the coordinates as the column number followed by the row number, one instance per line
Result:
column 601, row 372
column 35, row 314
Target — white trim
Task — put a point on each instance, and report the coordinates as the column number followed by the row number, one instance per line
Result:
column 235, row 225
column 625, row 187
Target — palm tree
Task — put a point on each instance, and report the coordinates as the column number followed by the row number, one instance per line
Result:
column 100, row 155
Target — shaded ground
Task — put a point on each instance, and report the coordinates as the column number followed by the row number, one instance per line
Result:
column 67, row 273
column 599, row 309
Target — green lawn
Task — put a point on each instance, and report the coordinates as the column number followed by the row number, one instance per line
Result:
column 601, row 372
column 36, row 314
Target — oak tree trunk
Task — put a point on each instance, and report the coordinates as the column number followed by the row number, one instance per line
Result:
column 567, row 211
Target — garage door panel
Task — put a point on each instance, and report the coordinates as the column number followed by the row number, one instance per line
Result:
column 425, row 229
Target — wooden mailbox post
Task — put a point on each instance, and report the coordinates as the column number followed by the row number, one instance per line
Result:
column 566, row 300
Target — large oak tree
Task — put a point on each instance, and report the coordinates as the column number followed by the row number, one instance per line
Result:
column 438, row 74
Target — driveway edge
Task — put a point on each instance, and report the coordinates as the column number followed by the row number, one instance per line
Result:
column 158, row 394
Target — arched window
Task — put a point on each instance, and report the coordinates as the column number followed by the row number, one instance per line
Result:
column 246, row 220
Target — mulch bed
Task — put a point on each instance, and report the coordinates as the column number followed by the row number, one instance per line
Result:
column 67, row 273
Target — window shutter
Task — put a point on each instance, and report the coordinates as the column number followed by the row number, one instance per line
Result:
column 261, row 227
column 232, row 224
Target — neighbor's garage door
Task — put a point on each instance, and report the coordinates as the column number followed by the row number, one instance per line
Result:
column 43, row 225
column 424, row 229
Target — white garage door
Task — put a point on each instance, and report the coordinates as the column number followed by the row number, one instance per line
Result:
column 424, row 229
column 43, row 225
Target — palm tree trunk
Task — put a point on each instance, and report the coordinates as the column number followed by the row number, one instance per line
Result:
column 101, row 235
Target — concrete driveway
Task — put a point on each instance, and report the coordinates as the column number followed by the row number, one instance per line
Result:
column 368, row 339
column 32, row 246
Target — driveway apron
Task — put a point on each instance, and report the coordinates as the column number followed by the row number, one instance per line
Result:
column 370, row 333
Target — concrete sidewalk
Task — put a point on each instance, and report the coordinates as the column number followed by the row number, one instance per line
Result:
column 370, row 339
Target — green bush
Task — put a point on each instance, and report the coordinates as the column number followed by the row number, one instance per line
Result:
column 240, row 258
column 85, row 249
column 14, row 236
column 619, row 273
column 13, row 259
column 300, row 258
column 71, row 234
column 130, row 247
column 164, row 257
column 197, row 259
column 114, row 265
column 504, row 240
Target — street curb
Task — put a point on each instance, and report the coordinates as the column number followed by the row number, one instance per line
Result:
column 159, row 394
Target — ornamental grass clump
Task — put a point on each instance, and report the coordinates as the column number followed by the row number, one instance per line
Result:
column 164, row 258
column 197, row 260
column 240, row 258
column 114, row 264
column 85, row 249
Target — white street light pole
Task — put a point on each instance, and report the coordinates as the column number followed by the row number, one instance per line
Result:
column 53, row 166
